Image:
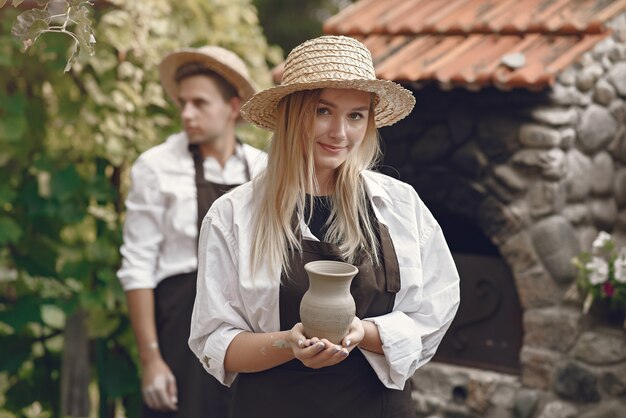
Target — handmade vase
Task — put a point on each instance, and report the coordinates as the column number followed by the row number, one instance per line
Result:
column 327, row 308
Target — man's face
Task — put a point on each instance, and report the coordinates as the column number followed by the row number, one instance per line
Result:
column 206, row 115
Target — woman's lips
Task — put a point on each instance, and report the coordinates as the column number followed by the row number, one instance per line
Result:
column 330, row 148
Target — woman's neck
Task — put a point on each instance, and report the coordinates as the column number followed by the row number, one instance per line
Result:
column 325, row 183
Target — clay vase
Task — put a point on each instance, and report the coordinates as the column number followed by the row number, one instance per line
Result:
column 327, row 308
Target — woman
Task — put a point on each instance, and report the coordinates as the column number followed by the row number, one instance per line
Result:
column 318, row 200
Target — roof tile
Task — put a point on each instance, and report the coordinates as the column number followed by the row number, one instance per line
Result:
column 463, row 42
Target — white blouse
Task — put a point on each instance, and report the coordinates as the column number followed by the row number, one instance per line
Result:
column 160, row 230
column 229, row 301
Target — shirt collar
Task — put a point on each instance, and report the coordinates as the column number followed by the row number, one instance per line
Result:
column 239, row 153
column 374, row 188
column 183, row 142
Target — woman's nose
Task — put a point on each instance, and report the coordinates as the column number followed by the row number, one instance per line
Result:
column 338, row 128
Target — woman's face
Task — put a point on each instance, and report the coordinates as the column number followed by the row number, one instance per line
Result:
column 340, row 126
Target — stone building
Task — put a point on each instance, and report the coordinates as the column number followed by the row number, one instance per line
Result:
column 518, row 145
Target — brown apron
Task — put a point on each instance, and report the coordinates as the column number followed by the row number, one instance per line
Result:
column 348, row 389
column 200, row 395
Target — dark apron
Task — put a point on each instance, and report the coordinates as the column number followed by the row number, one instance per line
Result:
column 200, row 395
column 348, row 389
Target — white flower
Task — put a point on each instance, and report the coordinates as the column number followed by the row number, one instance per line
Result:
column 600, row 241
column 620, row 266
column 599, row 270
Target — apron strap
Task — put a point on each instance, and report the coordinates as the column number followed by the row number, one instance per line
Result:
column 390, row 259
column 203, row 200
column 208, row 192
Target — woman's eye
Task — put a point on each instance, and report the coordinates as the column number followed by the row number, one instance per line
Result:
column 323, row 111
column 356, row 116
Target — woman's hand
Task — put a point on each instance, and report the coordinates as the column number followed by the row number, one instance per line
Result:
column 317, row 353
column 356, row 333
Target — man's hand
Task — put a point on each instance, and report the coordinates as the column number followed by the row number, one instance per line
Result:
column 158, row 386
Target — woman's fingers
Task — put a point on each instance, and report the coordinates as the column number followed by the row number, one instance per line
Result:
column 323, row 354
column 314, row 352
column 355, row 335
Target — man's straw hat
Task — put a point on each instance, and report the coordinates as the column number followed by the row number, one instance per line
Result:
column 330, row 62
column 222, row 61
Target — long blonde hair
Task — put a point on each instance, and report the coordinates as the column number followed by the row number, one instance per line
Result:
column 291, row 172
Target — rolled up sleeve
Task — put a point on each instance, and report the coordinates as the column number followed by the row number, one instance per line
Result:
column 441, row 295
column 143, row 230
column 218, row 311
column 401, row 349
column 422, row 314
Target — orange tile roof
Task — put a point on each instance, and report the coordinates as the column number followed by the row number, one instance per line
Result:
column 463, row 42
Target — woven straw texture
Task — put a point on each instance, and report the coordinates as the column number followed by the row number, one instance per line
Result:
column 222, row 61
column 330, row 62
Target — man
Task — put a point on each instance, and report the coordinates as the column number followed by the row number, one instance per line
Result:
column 172, row 187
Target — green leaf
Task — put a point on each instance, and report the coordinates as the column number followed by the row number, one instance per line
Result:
column 107, row 275
column 65, row 184
column 133, row 405
column 120, row 376
column 79, row 270
column 72, row 59
column 20, row 313
column 6, row 51
column 46, row 384
column 53, row 316
column 10, row 231
column 19, row 395
column 101, row 324
column 6, row 194
column 84, row 38
column 72, row 211
column 38, row 257
column 19, row 351
column 102, row 251
column 14, row 104
column 84, row 32
column 12, row 129
column 29, row 25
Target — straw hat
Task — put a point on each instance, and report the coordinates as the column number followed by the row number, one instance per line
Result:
column 222, row 61
column 330, row 62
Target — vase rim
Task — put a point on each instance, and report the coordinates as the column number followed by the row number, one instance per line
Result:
column 331, row 268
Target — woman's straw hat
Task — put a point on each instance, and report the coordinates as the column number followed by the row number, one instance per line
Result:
column 222, row 61
column 330, row 62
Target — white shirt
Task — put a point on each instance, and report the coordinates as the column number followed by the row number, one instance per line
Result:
column 160, row 231
column 229, row 301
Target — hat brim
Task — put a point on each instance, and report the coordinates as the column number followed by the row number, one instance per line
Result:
column 394, row 101
column 171, row 63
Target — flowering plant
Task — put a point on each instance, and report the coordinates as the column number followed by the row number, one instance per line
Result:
column 602, row 273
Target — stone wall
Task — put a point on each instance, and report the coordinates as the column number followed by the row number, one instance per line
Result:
column 541, row 174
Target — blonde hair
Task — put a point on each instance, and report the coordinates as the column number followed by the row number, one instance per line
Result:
column 291, row 172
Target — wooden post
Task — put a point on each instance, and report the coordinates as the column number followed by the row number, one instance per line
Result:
column 75, row 368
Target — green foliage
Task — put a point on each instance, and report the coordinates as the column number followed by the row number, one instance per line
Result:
column 67, row 140
column 288, row 23
column 75, row 13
